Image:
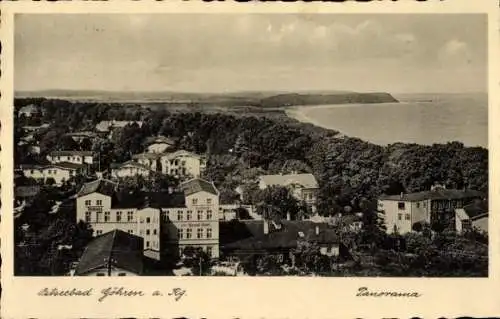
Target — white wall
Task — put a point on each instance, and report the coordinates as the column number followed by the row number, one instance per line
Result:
column 392, row 216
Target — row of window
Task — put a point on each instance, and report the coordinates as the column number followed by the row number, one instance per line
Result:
column 189, row 215
column 194, row 201
column 155, row 244
column 98, row 202
column 400, row 216
column 148, row 232
column 107, row 217
column 401, row 205
column 130, row 216
column 188, row 233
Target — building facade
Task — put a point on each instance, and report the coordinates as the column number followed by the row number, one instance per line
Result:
column 130, row 169
column 166, row 221
column 59, row 172
column 75, row 157
column 402, row 212
column 182, row 163
column 150, row 160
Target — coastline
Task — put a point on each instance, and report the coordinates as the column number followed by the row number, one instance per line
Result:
column 300, row 114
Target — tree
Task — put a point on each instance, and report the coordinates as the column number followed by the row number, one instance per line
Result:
column 277, row 201
column 196, row 259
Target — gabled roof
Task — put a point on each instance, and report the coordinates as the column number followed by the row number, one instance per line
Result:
column 102, row 186
column 130, row 163
column 198, row 185
column 436, row 194
column 123, row 250
column 326, row 236
column 159, row 140
column 179, row 153
column 476, row 210
column 149, row 199
column 67, row 165
column 153, row 156
column 305, row 180
column 71, row 153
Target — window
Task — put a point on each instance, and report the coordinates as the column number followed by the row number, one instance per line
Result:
column 130, row 216
column 154, row 231
column 407, row 216
column 401, row 205
column 199, row 233
column 130, row 231
column 189, row 232
column 418, row 205
column 209, row 201
column 98, row 217
column 200, row 214
column 148, row 220
column 400, row 216
column 88, row 216
column 98, row 232
column 147, row 231
column 33, row 171
column 209, row 232
column 425, row 205
column 179, row 215
column 88, row 202
column 99, row 202
column 180, row 233
column 147, row 243
column 122, row 274
column 209, row 251
column 209, row 214
column 106, row 217
column 188, row 215
column 118, row 216
column 195, row 201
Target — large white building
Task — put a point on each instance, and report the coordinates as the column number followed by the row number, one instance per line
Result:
column 182, row 163
column 166, row 221
column 60, row 172
column 130, row 169
column 402, row 211
column 75, row 157
column 150, row 160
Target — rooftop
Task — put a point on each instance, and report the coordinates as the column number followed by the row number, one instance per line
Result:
column 305, row 180
column 71, row 153
column 29, row 108
column 124, row 250
column 130, row 163
column 149, row 199
column 67, row 165
column 179, row 154
column 160, row 139
column 436, row 194
column 198, row 185
column 102, row 186
column 476, row 209
column 146, row 156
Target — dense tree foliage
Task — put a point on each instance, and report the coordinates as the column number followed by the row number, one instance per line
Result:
column 239, row 148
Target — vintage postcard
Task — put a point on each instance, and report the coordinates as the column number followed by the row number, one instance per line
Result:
column 254, row 161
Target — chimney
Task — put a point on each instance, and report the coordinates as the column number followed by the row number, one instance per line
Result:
column 317, row 230
column 288, row 217
column 266, row 227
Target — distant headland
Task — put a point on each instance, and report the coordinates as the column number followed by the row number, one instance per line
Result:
column 264, row 99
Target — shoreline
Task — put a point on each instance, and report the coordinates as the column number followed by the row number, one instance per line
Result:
column 299, row 113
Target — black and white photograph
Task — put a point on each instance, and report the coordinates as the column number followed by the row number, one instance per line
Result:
column 250, row 144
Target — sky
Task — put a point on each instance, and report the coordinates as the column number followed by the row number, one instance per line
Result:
column 394, row 53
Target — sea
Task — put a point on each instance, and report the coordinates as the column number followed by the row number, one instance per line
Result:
column 417, row 118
